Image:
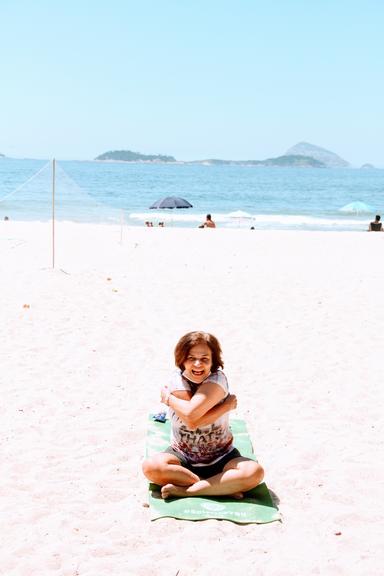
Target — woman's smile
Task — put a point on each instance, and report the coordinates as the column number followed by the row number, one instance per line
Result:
column 198, row 372
column 198, row 363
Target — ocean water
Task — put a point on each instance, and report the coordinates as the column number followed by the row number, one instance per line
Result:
column 267, row 198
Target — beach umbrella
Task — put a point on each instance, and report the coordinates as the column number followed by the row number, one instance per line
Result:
column 357, row 208
column 171, row 202
column 240, row 216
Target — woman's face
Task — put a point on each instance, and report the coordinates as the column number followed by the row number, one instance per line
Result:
column 198, row 363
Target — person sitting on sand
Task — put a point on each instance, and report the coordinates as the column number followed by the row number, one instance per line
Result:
column 201, row 460
column 376, row 226
column 209, row 223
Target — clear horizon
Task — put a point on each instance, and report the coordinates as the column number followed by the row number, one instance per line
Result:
column 208, row 80
column 177, row 160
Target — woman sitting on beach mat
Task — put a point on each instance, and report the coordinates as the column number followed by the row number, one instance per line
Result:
column 201, row 460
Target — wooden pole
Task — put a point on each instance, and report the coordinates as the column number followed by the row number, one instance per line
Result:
column 121, row 226
column 53, row 211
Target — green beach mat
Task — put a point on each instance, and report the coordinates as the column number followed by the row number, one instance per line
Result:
column 256, row 506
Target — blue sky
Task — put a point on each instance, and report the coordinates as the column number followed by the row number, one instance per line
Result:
column 240, row 79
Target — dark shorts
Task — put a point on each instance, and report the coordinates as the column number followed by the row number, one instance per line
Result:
column 205, row 471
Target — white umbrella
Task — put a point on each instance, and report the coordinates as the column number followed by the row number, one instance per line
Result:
column 240, row 216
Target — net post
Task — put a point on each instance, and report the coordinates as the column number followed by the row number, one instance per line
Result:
column 53, row 210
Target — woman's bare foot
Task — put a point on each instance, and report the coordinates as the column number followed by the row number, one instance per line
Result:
column 170, row 490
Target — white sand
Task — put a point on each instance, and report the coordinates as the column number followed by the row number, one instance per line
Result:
column 85, row 348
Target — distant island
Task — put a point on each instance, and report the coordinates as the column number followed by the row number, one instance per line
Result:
column 282, row 161
column 328, row 158
column 368, row 167
column 129, row 156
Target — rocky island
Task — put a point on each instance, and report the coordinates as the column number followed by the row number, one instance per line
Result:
column 368, row 167
column 129, row 156
column 328, row 158
column 302, row 155
column 280, row 161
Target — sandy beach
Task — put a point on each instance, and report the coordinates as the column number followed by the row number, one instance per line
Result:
column 87, row 345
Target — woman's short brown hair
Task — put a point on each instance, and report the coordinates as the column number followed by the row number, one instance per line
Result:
column 191, row 339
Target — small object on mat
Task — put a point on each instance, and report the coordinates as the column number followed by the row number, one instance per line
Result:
column 256, row 507
column 160, row 417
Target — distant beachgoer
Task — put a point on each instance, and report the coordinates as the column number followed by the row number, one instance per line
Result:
column 376, row 226
column 6, row 218
column 201, row 460
column 149, row 224
column 161, row 224
column 209, row 223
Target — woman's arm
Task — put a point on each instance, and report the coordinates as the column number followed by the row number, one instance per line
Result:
column 230, row 403
column 207, row 396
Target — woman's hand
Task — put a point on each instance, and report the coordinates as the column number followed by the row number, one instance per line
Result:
column 164, row 395
column 231, row 401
